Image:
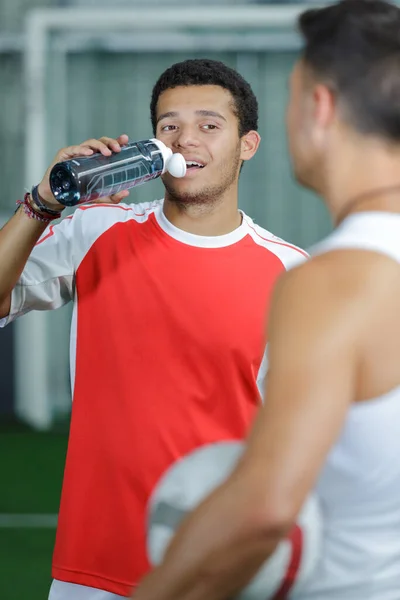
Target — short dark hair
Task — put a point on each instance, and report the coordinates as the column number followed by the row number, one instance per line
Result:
column 354, row 47
column 203, row 71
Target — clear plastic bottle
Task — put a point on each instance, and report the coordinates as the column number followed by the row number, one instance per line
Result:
column 85, row 179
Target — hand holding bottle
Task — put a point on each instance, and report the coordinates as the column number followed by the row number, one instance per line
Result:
column 105, row 145
column 89, row 178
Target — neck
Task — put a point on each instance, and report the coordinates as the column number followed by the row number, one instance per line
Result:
column 207, row 219
column 383, row 199
column 362, row 179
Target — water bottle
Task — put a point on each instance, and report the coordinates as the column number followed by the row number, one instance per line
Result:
column 88, row 178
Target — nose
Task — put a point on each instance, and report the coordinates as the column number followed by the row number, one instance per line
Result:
column 186, row 138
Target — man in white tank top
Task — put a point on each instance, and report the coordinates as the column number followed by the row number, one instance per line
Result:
column 331, row 419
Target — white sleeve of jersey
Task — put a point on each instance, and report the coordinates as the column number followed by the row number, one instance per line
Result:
column 262, row 374
column 47, row 282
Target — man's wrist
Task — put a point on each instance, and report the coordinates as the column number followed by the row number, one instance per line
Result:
column 32, row 211
column 41, row 204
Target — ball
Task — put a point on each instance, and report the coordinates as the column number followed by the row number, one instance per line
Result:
column 189, row 480
column 176, row 165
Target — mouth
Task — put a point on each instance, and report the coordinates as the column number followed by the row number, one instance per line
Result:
column 193, row 165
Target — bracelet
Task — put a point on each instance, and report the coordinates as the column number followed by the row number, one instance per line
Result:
column 38, row 211
column 33, row 212
column 41, row 206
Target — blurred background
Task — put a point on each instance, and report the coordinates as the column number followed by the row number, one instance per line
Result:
column 76, row 69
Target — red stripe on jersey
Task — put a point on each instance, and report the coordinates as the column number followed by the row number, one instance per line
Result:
column 296, row 540
column 285, row 244
column 103, row 205
column 126, row 208
column 50, row 232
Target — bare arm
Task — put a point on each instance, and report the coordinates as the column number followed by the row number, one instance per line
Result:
column 17, row 239
column 310, row 385
column 20, row 234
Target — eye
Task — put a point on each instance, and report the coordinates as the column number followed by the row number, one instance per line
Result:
column 209, row 126
column 168, row 128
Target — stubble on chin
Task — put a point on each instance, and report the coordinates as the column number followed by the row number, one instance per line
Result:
column 209, row 195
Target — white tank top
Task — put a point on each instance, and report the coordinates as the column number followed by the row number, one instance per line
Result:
column 359, row 486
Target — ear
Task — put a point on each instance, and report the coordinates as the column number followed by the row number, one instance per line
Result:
column 324, row 105
column 249, row 144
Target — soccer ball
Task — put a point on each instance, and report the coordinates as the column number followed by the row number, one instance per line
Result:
column 189, row 480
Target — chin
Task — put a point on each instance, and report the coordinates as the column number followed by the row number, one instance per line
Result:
column 183, row 189
column 303, row 176
column 301, row 179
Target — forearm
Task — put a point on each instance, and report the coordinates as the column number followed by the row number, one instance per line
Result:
column 217, row 552
column 17, row 240
column 19, row 236
column 219, row 576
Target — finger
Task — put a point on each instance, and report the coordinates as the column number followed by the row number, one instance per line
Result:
column 123, row 139
column 114, row 199
column 75, row 151
column 86, row 149
column 111, row 143
column 98, row 145
column 117, row 198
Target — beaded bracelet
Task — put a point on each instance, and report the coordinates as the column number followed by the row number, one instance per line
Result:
column 33, row 212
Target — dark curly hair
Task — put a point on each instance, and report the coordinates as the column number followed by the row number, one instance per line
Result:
column 203, row 71
column 353, row 46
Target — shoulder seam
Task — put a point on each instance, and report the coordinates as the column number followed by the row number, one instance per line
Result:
column 275, row 240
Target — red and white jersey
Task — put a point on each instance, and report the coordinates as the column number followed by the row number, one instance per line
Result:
column 166, row 348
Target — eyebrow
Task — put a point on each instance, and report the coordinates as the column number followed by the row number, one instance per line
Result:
column 200, row 113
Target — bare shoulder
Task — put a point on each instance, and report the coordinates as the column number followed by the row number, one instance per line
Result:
column 341, row 275
column 330, row 296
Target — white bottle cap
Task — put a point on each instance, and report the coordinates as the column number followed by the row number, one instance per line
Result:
column 175, row 164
